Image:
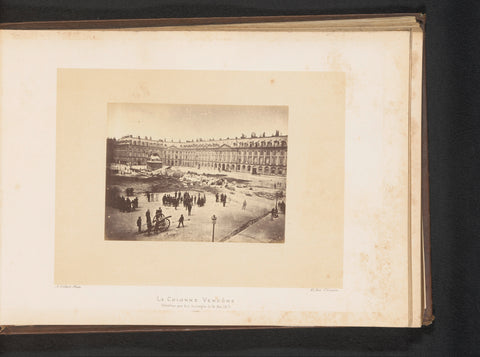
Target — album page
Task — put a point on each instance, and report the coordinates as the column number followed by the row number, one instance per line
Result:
column 213, row 177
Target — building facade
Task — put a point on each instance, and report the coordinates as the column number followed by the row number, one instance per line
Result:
column 135, row 150
column 255, row 155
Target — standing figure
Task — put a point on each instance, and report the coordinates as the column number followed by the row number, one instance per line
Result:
column 244, row 206
column 139, row 224
column 149, row 222
column 180, row 221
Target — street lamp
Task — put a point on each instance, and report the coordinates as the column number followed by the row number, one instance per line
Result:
column 214, row 221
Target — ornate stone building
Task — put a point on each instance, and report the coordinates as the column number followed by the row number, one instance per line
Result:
column 135, row 150
column 255, row 155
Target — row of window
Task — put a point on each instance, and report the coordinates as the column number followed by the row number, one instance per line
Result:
column 141, row 143
column 233, row 167
column 275, row 143
column 280, row 160
column 215, row 155
column 190, row 154
column 247, row 160
column 261, row 143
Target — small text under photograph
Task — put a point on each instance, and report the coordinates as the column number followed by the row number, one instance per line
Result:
column 196, row 173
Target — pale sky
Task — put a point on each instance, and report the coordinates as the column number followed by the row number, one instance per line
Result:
column 187, row 122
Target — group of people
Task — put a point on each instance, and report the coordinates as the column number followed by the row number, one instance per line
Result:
column 274, row 211
column 201, row 200
column 222, row 197
column 152, row 196
column 126, row 204
column 169, row 200
column 155, row 223
column 158, row 221
column 188, row 200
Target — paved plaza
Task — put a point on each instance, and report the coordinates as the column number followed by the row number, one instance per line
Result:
column 233, row 223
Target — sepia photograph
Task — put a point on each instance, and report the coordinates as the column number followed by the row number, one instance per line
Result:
column 160, row 169
column 197, row 173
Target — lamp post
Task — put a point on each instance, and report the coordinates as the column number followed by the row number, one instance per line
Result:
column 214, row 221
